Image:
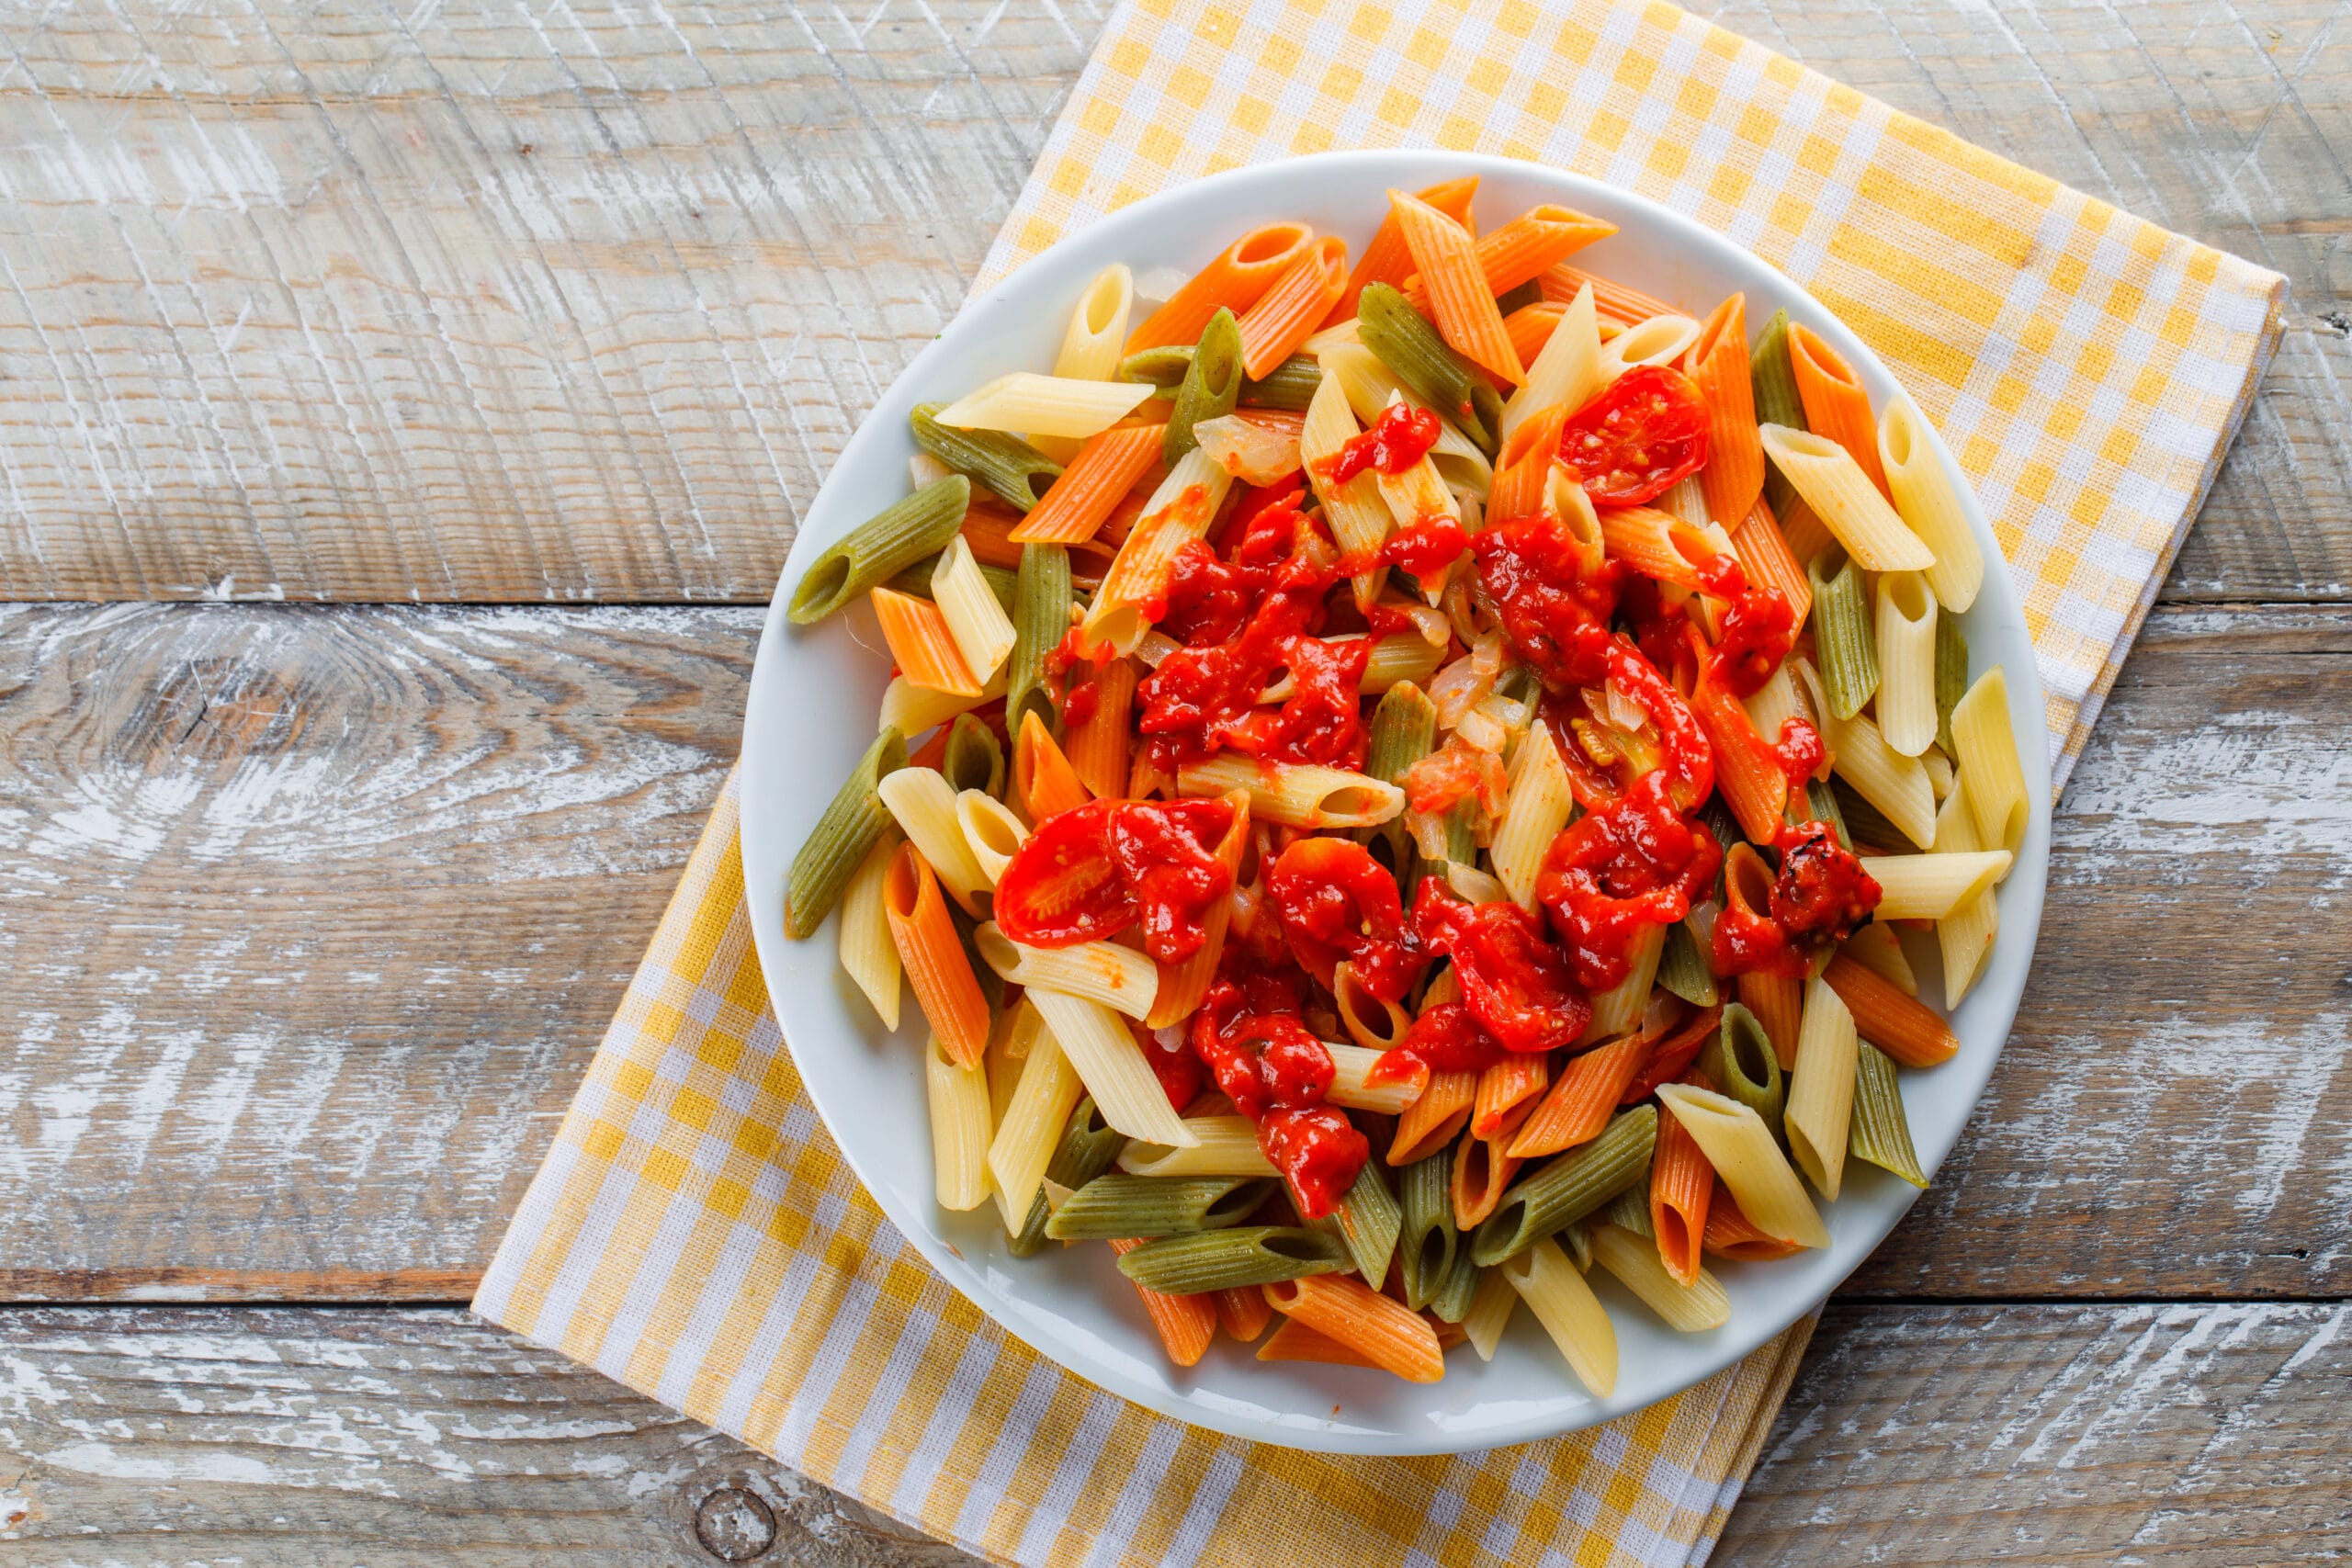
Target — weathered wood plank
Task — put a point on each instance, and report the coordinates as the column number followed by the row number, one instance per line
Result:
column 2191, row 1434
column 322, row 912
column 490, row 307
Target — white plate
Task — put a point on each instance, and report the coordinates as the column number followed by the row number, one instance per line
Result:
column 814, row 696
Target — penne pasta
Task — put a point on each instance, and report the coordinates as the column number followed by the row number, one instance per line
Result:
column 923, row 803
column 1688, row 1307
column 959, row 1095
column 1836, row 407
column 1490, row 1313
column 1535, row 811
column 1931, row 887
column 1569, row 1312
column 1990, row 774
column 1295, row 794
column 1112, row 1065
column 1388, row 259
column 991, row 830
column 1904, row 1027
column 1525, row 248
column 1821, row 1090
column 1925, row 498
column 852, row 823
column 1179, row 512
column 868, row 955
column 1661, row 340
column 1459, row 300
column 1964, row 934
column 1614, row 301
column 1185, row 1323
column 1733, row 478
column 1042, row 777
column 1682, row 1185
column 982, row 631
column 1097, row 744
column 921, row 644
column 1441, row 1110
column 1351, row 1065
column 1030, row 1130
column 1044, row 405
column 1234, row 281
column 944, row 986
column 1099, row 972
column 1223, row 1145
column 1907, row 662
column 1389, row 1334
column 1766, row 557
column 1096, row 338
column 1099, row 477
column 1183, row 986
column 1582, row 1100
column 1742, row 1150
column 1842, row 496
column 1882, row 1134
column 1287, row 314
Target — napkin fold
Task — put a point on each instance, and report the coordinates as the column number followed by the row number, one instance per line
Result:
column 696, row 1234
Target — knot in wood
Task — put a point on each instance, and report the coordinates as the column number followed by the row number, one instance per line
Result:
column 733, row 1525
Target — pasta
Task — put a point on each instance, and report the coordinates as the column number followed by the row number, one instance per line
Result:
column 1364, row 744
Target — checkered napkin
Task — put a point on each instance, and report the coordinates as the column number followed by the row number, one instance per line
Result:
column 694, row 1233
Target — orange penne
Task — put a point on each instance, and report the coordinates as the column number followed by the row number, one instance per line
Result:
column 1098, row 479
column 1807, row 534
column 1510, row 1084
column 1391, row 1334
column 1098, row 748
column 1287, row 314
column 1732, row 479
column 1240, row 276
column 1835, row 403
column 1527, row 246
column 1482, row 1172
column 1611, row 300
column 920, row 644
column 1431, row 1121
column 1459, row 300
column 934, row 958
column 1522, row 485
column 1748, row 770
column 1294, row 1341
column 1765, row 556
column 1904, row 1027
column 1682, row 1187
column 1656, row 544
column 1731, row 1233
column 1042, row 776
column 1186, row 1324
column 1182, row 985
column 988, row 528
column 1531, row 328
column 1242, row 1312
column 1582, row 1100
column 1387, row 259
column 1778, row 1003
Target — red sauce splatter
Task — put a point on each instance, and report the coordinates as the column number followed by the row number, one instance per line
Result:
column 1336, row 902
column 1518, row 987
column 1554, row 612
column 1276, row 1074
column 1400, row 438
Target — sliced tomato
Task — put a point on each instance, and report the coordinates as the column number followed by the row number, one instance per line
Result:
column 1063, row 884
column 1639, row 438
column 1319, row 1153
column 1519, row 989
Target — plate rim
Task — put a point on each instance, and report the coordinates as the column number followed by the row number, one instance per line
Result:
column 1413, row 167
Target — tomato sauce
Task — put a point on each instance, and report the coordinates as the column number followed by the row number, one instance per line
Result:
column 1087, row 874
column 1336, row 902
column 1400, row 438
column 1518, row 988
column 1277, row 1074
column 1639, row 438
column 1554, row 612
column 1445, row 1038
column 1426, row 545
column 1636, row 863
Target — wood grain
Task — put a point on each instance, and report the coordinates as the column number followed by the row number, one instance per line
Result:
column 329, row 907
column 484, row 306
column 2195, row 1433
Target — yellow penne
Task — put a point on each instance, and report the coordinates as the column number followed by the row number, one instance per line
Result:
column 1403, row 656
column 1535, row 811
column 983, row 632
column 1687, row 1309
column 1744, row 1152
column 1350, row 1064
column 1295, row 795
column 1930, row 886
column 991, row 830
column 1223, row 1145
column 868, row 952
column 1660, row 340
column 1845, row 502
column 1179, row 512
column 1875, row 948
column 1894, row 783
column 1112, row 1065
column 1355, row 512
column 1031, row 1128
column 1097, row 335
column 1925, row 498
column 923, row 802
column 1046, row 405
column 1989, row 770
column 1566, row 373
column 1965, row 935
column 1568, row 1311
column 959, row 1128
column 1490, row 1313
column 1907, row 662
column 1821, row 1089
column 1099, row 972
column 1942, row 775
column 910, row 709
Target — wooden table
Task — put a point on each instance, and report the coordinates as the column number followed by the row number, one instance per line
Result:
column 404, row 414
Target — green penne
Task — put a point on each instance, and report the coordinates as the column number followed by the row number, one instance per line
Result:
column 1009, row 466
column 1774, row 381
column 1451, row 1303
column 1040, row 614
column 1428, row 1238
column 1290, row 385
column 1087, row 1148
column 1528, row 293
column 974, row 758
column 1569, row 1188
column 1740, row 1061
column 1368, row 1221
column 900, row 535
column 1116, row 1206
column 1683, row 968
column 916, row 579
column 1462, row 834
column 1952, row 678
column 1163, row 366
column 1212, row 385
column 1844, row 636
column 1721, row 824
column 1866, row 824
column 1881, row 1133
column 1631, row 1209
column 1407, row 345
column 1821, row 802
column 1404, row 728
column 1233, row 1260
column 852, row 822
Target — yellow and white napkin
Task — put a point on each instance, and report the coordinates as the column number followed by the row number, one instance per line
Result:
column 696, row 1234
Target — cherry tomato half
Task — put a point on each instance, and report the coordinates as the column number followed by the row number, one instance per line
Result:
column 1639, row 438
column 1062, row 886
